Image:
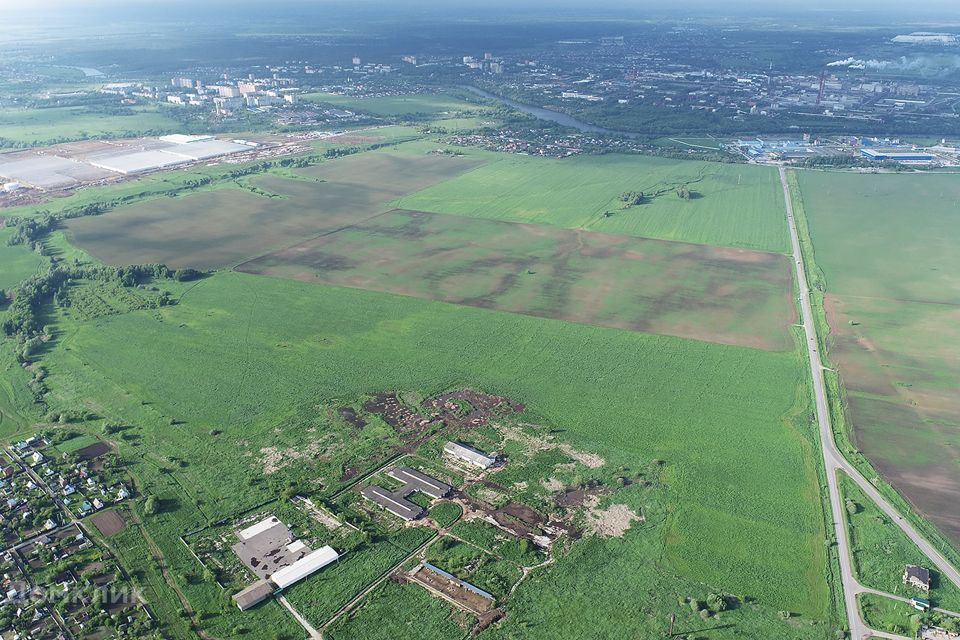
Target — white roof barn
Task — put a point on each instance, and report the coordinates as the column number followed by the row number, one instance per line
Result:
column 304, row 567
column 469, row 454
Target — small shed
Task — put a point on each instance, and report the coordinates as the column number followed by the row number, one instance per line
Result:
column 253, row 595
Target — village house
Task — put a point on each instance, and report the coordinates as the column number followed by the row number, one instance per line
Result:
column 917, row 577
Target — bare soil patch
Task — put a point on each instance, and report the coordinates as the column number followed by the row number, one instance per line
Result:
column 94, row 450
column 612, row 522
column 108, row 523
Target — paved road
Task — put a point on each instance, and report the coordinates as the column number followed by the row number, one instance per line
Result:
column 834, row 460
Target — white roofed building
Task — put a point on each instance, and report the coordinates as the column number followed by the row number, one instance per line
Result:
column 469, row 454
column 304, row 567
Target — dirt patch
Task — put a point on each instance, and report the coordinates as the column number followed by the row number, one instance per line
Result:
column 272, row 459
column 466, row 408
column 552, row 485
column 579, row 496
column 535, row 444
column 93, row 450
column 590, row 460
column 108, row 523
column 612, row 522
column 395, row 413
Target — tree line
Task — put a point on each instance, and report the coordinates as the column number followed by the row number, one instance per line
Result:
column 22, row 320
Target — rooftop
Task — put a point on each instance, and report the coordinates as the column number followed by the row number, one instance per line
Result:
column 253, row 595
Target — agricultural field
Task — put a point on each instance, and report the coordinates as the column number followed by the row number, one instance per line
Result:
column 34, row 127
column 721, row 295
column 245, row 368
column 893, row 305
column 214, row 229
column 411, row 105
column 729, row 205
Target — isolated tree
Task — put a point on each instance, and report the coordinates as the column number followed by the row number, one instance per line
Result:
column 717, row 602
column 151, row 506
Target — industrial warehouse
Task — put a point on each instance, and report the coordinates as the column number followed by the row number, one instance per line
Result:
column 74, row 164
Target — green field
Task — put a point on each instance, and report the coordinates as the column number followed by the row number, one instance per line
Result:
column 733, row 205
column 218, row 228
column 17, row 263
column 888, row 615
column 429, row 105
column 722, row 295
column 886, row 235
column 886, row 246
column 252, row 357
column 411, row 611
column 32, row 127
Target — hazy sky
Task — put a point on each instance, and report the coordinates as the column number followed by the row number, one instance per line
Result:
column 715, row 5
column 913, row 10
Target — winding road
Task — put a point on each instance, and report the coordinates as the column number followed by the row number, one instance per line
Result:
column 834, row 461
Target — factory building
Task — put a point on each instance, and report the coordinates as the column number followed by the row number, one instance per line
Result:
column 899, row 156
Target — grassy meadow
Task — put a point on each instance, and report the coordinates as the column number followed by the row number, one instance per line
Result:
column 733, row 205
column 411, row 612
column 244, row 363
column 886, row 246
column 17, row 263
column 886, row 235
column 34, row 127
column 891, row 616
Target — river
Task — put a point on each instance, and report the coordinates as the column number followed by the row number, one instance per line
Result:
column 553, row 116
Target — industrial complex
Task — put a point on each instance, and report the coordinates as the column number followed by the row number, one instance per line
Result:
column 74, row 164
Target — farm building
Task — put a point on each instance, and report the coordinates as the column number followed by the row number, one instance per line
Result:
column 452, row 578
column 918, row 577
column 304, row 567
column 392, row 502
column 138, row 161
column 469, row 454
column 446, row 585
column 268, row 546
column 396, row 501
column 253, row 595
column 415, row 481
